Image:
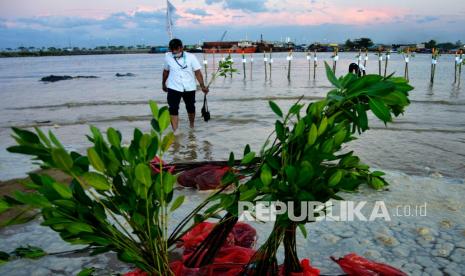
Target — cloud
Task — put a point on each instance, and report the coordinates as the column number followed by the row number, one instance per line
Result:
column 244, row 5
column 427, row 19
column 199, row 12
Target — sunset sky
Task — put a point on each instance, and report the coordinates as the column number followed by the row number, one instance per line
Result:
column 88, row 23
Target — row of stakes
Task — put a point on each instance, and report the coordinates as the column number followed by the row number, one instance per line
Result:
column 268, row 61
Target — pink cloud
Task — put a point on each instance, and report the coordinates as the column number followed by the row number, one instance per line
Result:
column 328, row 15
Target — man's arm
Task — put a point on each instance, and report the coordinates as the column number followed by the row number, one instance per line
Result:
column 199, row 77
column 166, row 73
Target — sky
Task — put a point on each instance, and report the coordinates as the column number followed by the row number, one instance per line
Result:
column 90, row 23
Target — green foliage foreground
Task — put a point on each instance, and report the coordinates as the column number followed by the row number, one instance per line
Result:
column 115, row 202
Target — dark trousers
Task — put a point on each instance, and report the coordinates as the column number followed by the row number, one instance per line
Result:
column 174, row 98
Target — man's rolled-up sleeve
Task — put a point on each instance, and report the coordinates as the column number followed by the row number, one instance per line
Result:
column 195, row 64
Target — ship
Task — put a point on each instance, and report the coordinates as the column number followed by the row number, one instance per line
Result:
column 227, row 47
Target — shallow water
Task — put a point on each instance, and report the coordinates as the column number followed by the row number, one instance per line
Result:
column 428, row 139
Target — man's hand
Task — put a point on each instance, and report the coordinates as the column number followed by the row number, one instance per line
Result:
column 165, row 88
column 205, row 89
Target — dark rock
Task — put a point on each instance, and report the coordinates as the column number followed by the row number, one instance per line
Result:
column 85, row 77
column 53, row 78
column 125, row 75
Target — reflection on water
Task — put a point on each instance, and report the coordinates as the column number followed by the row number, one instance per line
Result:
column 428, row 138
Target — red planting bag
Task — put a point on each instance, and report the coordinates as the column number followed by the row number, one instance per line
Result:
column 352, row 264
column 196, row 235
column 187, row 178
column 210, row 179
column 155, row 165
column 307, row 270
column 244, row 235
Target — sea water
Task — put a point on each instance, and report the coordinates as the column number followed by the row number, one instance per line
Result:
column 428, row 139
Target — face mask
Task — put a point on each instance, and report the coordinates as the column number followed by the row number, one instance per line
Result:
column 178, row 55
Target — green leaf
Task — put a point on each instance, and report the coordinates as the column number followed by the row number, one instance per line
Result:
column 279, row 127
column 167, row 141
column 168, row 182
column 96, row 180
column 335, row 178
column 312, row 135
column 303, row 230
column 299, row 128
column 63, row 190
column 43, row 137
column 377, row 183
column 3, row 206
column 88, row 271
column 362, row 118
column 32, row 199
column 30, row 252
column 248, row 158
column 143, row 174
column 275, row 108
column 177, row 203
column 231, row 160
column 154, row 108
column 265, row 175
column 248, row 195
column 323, row 125
column 331, row 76
column 62, row 159
column 79, row 227
column 94, row 160
column 114, row 137
column 377, row 173
column 164, row 120
column 54, row 139
column 26, row 135
column 380, row 110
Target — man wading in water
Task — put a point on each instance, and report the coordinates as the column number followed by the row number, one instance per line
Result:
column 179, row 74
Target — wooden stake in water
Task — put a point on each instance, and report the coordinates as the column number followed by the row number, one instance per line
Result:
column 289, row 58
column 388, row 56
column 434, row 61
column 214, row 50
column 380, row 60
column 359, row 57
column 456, row 64
column 243, row 63
column 230, row 66
column 407, row 59
column 335, row 58
column 264, row 63
column 460, row 64
column 365, row 60
column 205, row 66
column 309, row 64
column 315, row 59
column 251, row 65
column 270, row 61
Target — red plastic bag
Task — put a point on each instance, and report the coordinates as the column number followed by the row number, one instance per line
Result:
column 196, row 235
column 352, row 264
column 307, row 270
column 187, row 178
column 244, row 235
column 210, row 179
column 155, row 165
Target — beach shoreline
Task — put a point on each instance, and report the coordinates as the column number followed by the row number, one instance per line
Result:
column 419, row 245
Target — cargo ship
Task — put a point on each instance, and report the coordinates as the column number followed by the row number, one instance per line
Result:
column 229, row 47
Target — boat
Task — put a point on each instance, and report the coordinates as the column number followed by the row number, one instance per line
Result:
column 226, row 47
